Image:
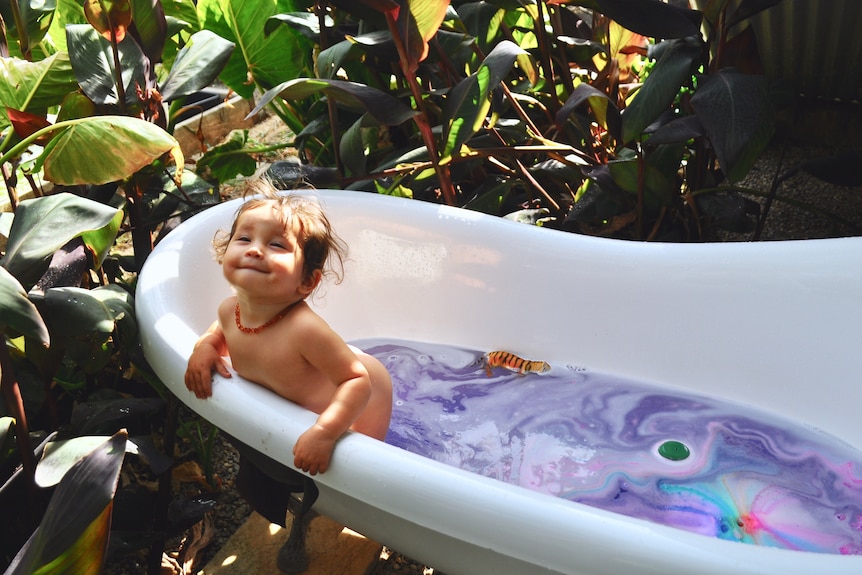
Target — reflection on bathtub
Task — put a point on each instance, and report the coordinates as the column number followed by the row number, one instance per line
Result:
column 703, row 465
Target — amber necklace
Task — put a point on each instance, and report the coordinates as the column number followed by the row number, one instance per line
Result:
column 259, row 329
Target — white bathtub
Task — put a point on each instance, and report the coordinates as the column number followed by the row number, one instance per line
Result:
column 775, row 325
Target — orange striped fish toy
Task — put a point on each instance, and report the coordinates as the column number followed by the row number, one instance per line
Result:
column 513, row 362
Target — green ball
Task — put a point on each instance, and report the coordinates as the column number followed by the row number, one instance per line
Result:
column 673, row 450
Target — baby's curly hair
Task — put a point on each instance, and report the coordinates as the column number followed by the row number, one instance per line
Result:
column 322, row 249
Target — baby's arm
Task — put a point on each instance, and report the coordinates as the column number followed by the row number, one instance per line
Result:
column 206, row 356
column 328, row 352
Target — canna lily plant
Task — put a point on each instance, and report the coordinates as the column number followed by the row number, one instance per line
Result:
column 608, row 117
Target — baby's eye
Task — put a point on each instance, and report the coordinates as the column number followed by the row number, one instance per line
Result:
column 279, row 245
column 241, row 238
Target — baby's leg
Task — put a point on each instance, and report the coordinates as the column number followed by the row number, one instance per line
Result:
column 374, row 420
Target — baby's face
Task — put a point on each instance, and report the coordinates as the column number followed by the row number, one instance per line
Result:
column 264, row 259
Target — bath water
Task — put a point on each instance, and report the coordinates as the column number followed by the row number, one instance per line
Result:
column 687, row 461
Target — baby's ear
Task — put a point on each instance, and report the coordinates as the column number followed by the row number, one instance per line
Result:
column 310, row 282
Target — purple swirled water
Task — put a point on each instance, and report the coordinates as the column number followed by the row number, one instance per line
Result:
column 700, row 464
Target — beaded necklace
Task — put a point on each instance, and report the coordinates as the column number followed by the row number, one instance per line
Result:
column 259, row 329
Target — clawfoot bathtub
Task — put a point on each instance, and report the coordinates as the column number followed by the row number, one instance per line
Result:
column 773, row 326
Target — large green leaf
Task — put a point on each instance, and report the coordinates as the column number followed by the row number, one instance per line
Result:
column 35, row 86
column 735, row 110
column 671, row 72
column 105, row 149
column 93, row 62
column 73, row 535
column 358, row 98
column 469, row 101
column 197, row 65
column 43, row 225
column 17, row 312
column 264, row 60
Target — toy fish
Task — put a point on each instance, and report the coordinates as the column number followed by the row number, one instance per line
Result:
column 513, row 362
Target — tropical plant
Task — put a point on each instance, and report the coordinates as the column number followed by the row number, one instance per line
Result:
column 71, row 362
column 601, row 116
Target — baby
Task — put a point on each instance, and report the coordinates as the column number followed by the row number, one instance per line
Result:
column 274, row 257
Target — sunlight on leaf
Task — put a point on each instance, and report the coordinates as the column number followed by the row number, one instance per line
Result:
column 125, row 145
column 73, row 535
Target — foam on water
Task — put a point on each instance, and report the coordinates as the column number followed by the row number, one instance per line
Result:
column 691, row 462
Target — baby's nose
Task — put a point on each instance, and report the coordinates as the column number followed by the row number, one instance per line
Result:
column 254, row 251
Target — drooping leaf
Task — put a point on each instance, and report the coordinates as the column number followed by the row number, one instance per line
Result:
column 17, row 312
column 93, row 62
column 738, row 117
column 265, row 60
column 73, row 535
column 359, row 98
column 35, row 86
column 469, row 101
column 671, row 72
column 197, row 65
column 105, row 149
column 43, row 225
column 605, row 111
column 110, row 18
column 652, row 18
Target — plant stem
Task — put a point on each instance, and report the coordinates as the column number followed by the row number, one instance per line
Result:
column 15, row 405
column 421, row 119
column 330, row 103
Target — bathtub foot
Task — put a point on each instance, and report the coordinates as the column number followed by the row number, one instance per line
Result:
column 293, row 557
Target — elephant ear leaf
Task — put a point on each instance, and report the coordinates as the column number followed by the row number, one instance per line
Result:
column 17, row 312
column 73, row 535
column 44, row 225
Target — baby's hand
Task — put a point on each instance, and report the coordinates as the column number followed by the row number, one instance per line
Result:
column 204, row 359
column 313, row 449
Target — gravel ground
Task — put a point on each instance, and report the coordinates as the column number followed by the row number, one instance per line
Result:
column 785, row 221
